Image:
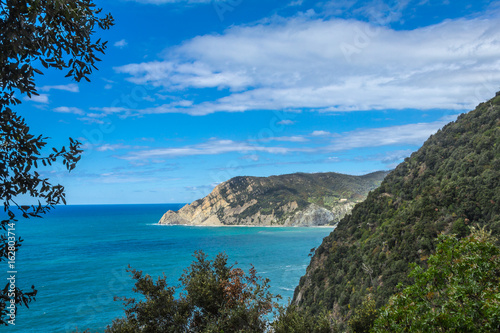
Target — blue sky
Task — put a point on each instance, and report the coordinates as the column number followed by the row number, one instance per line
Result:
column 191, row 93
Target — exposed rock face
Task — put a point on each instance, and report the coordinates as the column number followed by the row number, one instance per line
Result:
column 288, row 200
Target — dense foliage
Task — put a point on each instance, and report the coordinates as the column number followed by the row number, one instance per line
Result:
column 215, row 297
column 364, row 316
column 293, row 320
column 53, row 34
column 458, row 292
column 448, row 184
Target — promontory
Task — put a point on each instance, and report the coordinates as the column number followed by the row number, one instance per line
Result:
column 299, row 199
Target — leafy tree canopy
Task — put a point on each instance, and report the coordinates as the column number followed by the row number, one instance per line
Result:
column 215, row 297
column 37, row 34
column 293, row 320
column 53, row 33
column 458, row 292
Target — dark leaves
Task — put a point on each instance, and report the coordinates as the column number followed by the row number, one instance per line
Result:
column 57, row 34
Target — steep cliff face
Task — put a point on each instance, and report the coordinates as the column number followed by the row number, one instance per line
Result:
column 452, row 182
column 287, row 200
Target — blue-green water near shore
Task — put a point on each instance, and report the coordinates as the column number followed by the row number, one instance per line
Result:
column 76, row 257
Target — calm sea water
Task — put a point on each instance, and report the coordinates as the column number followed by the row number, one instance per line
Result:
column 77, row 255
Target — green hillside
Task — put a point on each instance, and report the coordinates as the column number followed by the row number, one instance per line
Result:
column 450, row 183
column 324, row 189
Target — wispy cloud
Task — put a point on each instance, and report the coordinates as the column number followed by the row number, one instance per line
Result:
column 90, row 120
column 119, row 146
column 395, row 156
column 253, row 157
column 204, row 189
column 390, row 159
column 211, row 147
column 411, row 134
column 331, row 65
column 67, row 109
column 294, row 138
column 320, row 133
column 110, row 110
column 286, row 122
column 282, row 163
column 72, row 87
column 296, row 3
column 42, row 98
column 120, row 44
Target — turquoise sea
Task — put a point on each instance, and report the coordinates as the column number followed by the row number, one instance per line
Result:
column 76, row 257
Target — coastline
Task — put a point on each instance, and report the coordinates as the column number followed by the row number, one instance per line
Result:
column 245, row 226
column 125, row 234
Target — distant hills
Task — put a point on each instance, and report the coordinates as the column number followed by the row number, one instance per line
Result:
column 449, row 184
column 298, row 199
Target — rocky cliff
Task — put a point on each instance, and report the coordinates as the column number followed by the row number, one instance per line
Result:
column 298, row 199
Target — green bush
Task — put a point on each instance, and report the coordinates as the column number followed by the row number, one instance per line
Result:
column 364, row 316
column 215, row 298
column 292, row 320
column 458, row 292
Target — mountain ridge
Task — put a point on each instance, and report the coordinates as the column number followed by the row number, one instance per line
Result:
column 298, row 199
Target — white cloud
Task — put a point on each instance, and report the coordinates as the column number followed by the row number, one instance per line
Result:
column 67, row 109
column 112, row 178
column 121, row 44
column 296, row 3
column 286, row 122
column 411, row 134
column 109, row 110
column 72, row 87
column 320, row 133
column 403, row 135
column 294, row 138
column 41, row 98
column 253, row 157
column 180, row 76
column 395, row 156
column 211, row 147
column 332, row 65
column 90, row 120
column 113, row 147
column 96, row 115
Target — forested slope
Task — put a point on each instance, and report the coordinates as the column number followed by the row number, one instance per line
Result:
column 450, row 183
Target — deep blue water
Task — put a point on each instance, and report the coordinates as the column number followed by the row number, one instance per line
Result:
column 76, row 257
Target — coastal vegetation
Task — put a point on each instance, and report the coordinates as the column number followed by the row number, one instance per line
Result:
column 458, row 291
column 35, row 34
column 420, row 254
column 215, row 297
column 447, row 186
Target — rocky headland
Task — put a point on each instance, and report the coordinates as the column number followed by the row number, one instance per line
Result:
column 300, row 199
